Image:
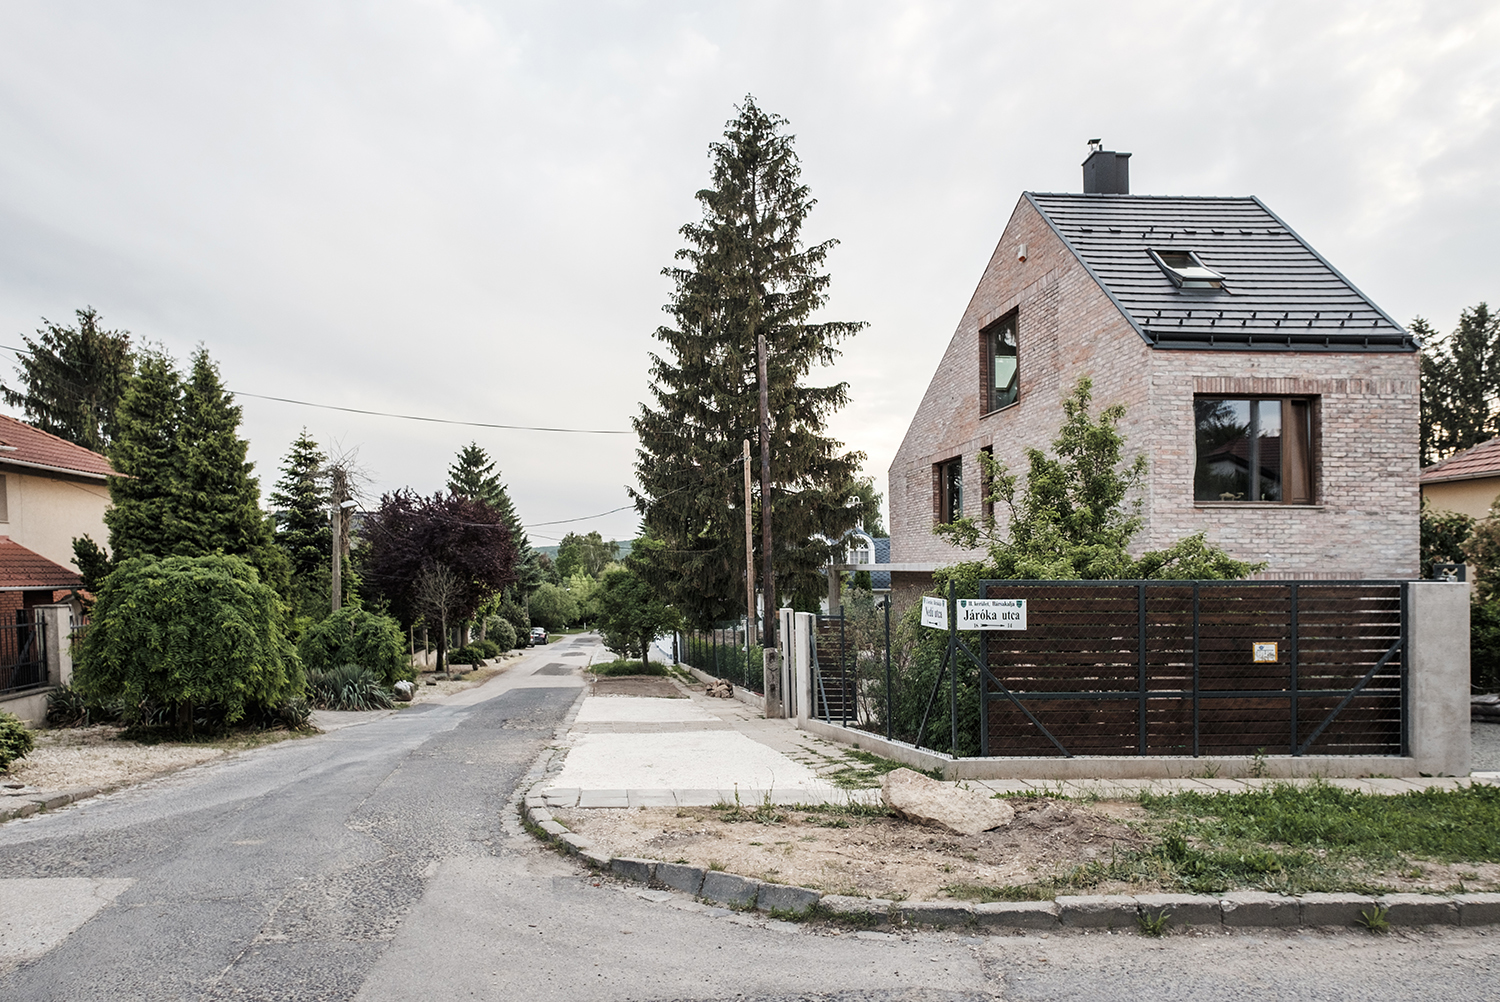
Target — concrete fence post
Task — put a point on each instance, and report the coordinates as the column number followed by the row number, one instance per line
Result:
column 1438, row 677
column 57, row 629
column 802, row 634
column 784, row 644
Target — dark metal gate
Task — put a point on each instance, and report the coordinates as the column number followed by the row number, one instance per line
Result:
column 835, row 678
column 23, row 653
column 1195, row 668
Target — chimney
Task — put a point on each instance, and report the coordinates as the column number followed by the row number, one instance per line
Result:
column 1106, row 172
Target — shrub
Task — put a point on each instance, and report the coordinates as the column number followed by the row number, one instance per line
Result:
column 488, row 648
column 347, row 687
column 472, row 654
column 500, row 633
column 15, row 740
column 188, row 631
column 356, row 636
column 519, row 619
column 66, row 707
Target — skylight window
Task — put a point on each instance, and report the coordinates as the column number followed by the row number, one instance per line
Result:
column 1186, row 271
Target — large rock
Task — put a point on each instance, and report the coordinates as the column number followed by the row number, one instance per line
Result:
column 404, row 691
column 930, row 802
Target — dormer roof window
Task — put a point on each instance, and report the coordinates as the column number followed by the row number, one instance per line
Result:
column 1186, row 271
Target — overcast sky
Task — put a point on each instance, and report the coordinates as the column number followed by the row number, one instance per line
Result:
column 462, row 209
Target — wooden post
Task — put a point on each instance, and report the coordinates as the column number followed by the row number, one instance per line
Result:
column 749, row 556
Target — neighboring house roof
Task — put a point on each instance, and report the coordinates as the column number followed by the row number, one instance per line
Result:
column 1278, row 293
column 23, row 445
column 23, row 570
column 881, row 580
column 1482, row 460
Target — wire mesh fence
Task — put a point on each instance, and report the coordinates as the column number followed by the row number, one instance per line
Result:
column 723, row 653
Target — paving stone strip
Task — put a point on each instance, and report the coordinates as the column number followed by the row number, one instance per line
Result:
column 1235, row 909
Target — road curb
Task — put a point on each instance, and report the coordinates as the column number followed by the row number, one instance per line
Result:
column 49, row 800
column 1120, row 912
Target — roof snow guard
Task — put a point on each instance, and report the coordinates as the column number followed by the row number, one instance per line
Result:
column 1272, row 291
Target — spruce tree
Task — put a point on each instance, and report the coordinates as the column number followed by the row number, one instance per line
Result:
column 300, row 504
column 145, row 455
column 1460, row 384
column 218, row 505
column 473, row 475
column 744, row 272
column 73, row 378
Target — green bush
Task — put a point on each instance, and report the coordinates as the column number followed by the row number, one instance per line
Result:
column 520, row 620
column 347, row 687
column 15, row 740
column 474, row 654
column 500, row 633
column 628, row 667
column 488, row 648
column 355, row 636
column 187, row 632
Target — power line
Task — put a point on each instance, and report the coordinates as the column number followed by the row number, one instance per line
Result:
column 389, row 414
column 434, row 420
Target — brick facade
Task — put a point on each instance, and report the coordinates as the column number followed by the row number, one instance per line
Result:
column 1364, row 521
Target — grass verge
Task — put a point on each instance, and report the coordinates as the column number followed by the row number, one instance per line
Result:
column 628, row 667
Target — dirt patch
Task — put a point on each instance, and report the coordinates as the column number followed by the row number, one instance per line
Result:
column 429, row 688
column 94, row 756
column 637, row 685
column 844, row 852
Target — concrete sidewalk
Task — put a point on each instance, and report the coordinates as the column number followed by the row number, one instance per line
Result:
column 636, row 751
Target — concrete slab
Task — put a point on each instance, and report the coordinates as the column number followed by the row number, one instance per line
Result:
column 1419, row 909
column 729, row 889
column 1097, row 911
column 683, row 761
column 940, row 913
column 1017, row 915
column 593, row 799
column 1334, row 909
column 1257, row 908
column 1181, row 910
column 651, row 798
column 640, row 709
column 680, row 877
column 783, row 898
column 1478, row 909
column 36, row 914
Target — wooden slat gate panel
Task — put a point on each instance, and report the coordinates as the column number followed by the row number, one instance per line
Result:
column 1166, row 668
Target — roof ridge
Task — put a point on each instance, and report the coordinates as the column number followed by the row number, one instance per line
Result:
column 56, row 438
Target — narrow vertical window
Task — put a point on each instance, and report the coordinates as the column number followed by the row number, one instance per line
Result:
column 1002, row 384
column 986, row 483
column 950, row 494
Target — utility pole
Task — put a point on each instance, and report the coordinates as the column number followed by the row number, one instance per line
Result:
column 749, row 555
column 340, row 502
column 775, row 707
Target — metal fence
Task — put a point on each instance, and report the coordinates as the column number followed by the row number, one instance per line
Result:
column 722, row 653
column 23, row 653
column 1177, row 668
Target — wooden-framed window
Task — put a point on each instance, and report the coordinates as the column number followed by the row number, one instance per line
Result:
column 948, row 477
column 986, row 483
column 1002, row 364
column 1253, row 449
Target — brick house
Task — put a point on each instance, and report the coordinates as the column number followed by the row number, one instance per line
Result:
column 1276, row 404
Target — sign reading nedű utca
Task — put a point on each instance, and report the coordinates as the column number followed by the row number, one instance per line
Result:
column 992, row 614
column 976, row 613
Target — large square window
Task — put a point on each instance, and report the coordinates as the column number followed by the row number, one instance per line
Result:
column 1256, row 449
column 1002, row 385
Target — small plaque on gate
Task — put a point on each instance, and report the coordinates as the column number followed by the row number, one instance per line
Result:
column 935, row 612
column 1265, row 653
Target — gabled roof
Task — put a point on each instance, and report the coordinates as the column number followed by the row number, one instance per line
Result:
column 1278, row 294
column 23, row 445
column 1482, row 460
column 23, row 570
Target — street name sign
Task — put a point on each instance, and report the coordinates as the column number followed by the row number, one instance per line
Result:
column 935, row 612
column 992, row 614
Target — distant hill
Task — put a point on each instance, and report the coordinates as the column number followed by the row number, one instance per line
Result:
column 624, row 545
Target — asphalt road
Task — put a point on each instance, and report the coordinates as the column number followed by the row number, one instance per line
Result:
column 384, row 861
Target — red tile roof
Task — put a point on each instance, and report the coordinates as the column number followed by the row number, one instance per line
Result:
column 22, row 569
column 23, row 445
column 1482, row 460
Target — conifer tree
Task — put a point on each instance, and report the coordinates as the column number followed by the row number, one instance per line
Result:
column 744, row 272
column 145, row 454
column 300, row 502
column 1460, row 383
column 73, row 378
column 473, row 475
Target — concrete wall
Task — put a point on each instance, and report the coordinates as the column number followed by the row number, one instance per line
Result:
column 46, row 512
column 1471, row 497
column 1439, row 677
column 1364, row 523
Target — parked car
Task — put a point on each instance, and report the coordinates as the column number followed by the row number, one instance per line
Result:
column 538, row 637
